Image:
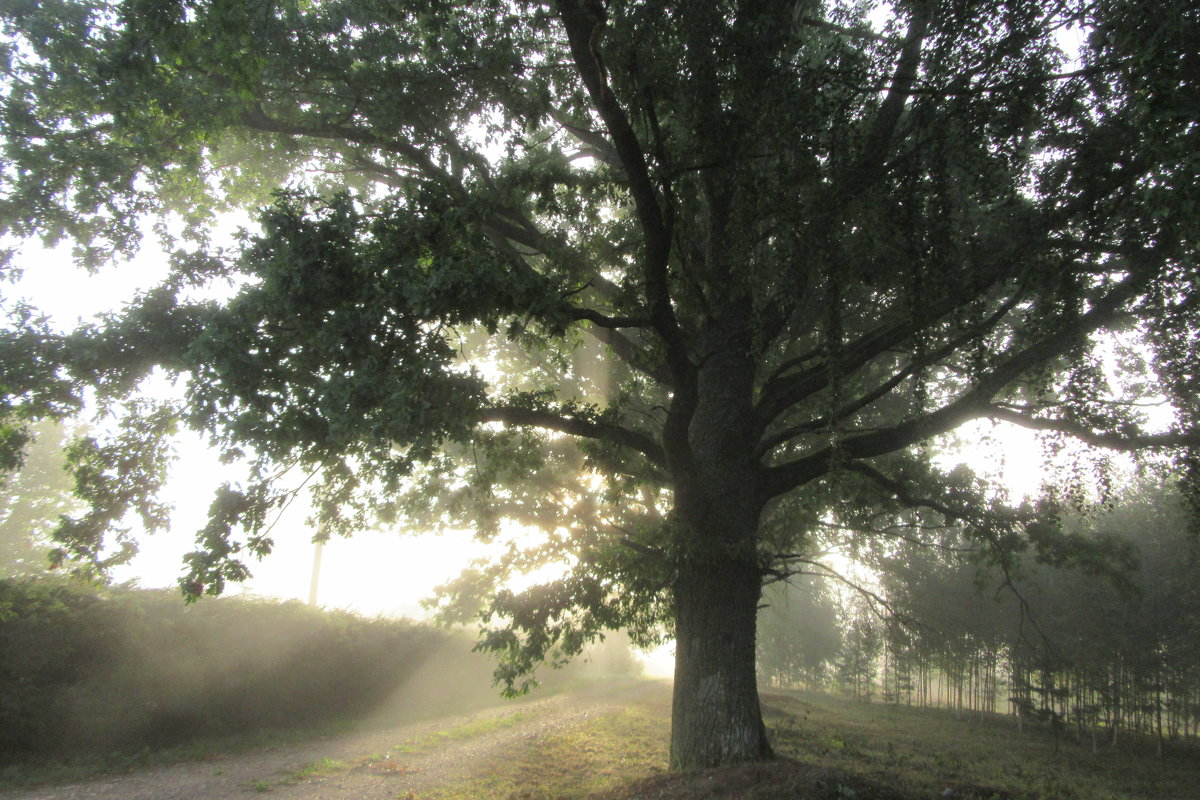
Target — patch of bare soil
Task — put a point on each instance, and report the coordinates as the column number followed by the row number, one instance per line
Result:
column 380, row 765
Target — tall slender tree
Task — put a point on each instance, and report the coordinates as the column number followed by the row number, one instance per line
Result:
column 808, row 240
column 31, row 500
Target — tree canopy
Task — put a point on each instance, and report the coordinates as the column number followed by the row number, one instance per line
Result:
column 664, row 278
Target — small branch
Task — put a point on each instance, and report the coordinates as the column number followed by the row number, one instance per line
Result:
column 1110, row 441
column 829, row 572
column 904, row 494
column 894, row 531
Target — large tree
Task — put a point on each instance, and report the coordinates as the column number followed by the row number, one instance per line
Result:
column 805, row 240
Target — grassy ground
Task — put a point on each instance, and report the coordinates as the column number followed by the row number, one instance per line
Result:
column 924, row 752
column 48, row 771
column 600, row 755
column 838, row 749
column 829, row 748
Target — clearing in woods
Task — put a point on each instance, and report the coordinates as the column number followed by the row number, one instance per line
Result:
column 610, row 743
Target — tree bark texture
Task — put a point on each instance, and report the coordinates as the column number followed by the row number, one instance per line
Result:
column 716, row 718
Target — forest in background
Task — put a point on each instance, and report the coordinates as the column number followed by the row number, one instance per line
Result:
column 1099, row 637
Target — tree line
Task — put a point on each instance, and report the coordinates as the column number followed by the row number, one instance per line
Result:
column 1045, row 640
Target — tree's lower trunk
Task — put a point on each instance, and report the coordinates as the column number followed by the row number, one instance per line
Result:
column 716, row 718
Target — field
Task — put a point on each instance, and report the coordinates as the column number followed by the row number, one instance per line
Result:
column 609, row 742
column 836, row 748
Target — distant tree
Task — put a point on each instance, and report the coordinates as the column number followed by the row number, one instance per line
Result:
column 798, row 634
column 1099, row 632
column 862, row 644
column 31, row 501
column 807, row 243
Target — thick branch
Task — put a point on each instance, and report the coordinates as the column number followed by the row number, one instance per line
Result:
column 850, row 33
column 1015, row 82
column 604, row 321
column 878, row 143
column 782, row 392
column 972, row 404
column 588, row 429
column 257, row 119
column 597, row 146
column 895, row 380
column 630, row 353
column 584, row 23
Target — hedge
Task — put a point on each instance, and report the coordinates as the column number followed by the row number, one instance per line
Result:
column 87, row 669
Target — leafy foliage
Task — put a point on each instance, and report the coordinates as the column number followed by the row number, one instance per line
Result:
column 93, row 670
column 810, row 243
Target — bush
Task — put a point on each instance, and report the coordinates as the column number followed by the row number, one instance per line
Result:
column 87, row 669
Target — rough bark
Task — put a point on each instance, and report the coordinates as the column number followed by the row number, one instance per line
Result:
column 716, row 718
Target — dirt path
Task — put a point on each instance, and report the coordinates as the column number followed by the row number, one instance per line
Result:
column 393, row 764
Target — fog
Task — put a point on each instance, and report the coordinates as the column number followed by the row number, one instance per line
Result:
column 93, row 670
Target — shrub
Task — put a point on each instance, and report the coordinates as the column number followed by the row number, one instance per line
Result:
column 85, row 669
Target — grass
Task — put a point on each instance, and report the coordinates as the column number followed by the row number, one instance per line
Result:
column 575, row 761
column 466, row 730
column 830, row 748
column 833, row 749
column 326, row 766
column 925, row 751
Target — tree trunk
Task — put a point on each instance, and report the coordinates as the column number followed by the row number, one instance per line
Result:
column 716, row 718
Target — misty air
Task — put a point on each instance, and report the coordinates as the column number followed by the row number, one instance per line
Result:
column 599, row 399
